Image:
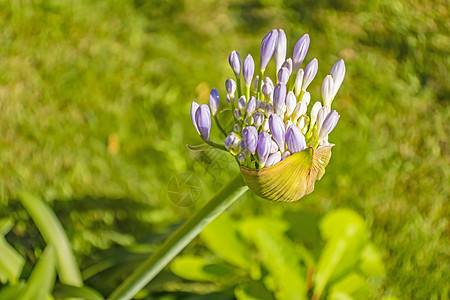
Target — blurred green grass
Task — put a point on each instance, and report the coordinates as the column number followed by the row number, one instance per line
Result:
column 94, row 99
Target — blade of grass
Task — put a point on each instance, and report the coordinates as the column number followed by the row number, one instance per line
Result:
column 53, row 233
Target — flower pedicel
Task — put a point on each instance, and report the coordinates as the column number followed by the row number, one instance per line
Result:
column 281, row 150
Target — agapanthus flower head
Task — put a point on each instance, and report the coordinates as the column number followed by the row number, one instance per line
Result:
column 280, row 148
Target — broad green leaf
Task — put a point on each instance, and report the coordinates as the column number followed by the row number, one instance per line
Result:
column 353, row 286
column 371, row 263
column 345, row 232
column 221, row 237
column 252, row 290
column 11, row 262
column 10, row 292
column 67, row 291
column 273, row 225
column 40, row 283
column 53, row 233
column 195, row 268
column 282, row 262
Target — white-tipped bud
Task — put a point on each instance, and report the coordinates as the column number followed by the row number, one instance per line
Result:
column 283, row 75
column 261, row 105
column 338, row 74
column 299, row 110
column 258, row 119
column 285, row 155
column 290, row 103
column 236, row 128
column 267, row 90
column 288, row 64
column 314, row 110
column 251, row 105
column 287, row 124
column 280, row 49
column 273, row 159
column 298, row 82
column 327, row 90
column 269, row 81
column 242, row 104
column 306, row 98
column 274, row 147
column 237, row 114
column 321, row 115
column 255, row 82
column 230, row 86
column 241, row 158
column 310, row 73
column 301, row 123
column 265, row 125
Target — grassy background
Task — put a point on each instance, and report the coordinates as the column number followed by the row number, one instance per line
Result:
column 95, row 96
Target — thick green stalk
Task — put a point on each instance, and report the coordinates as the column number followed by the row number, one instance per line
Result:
column 179, row 239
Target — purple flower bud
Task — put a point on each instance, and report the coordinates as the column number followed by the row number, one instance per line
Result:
column 242, row 103
column 285, row 155
column 235, row 63
column 228, row 99
column 301, row 123
column 261, row 104
column 338, row 73
column 248, row 69
column 267, row 90
column 268, row 48
column 280, row 49
column 295, row 140
column 273, row 159
column 283, row 75
column 265, row 125
column 264, row 147
column 314, row 110
column 300, row 50
column 291, row 101
column 203, row 120
column 250, row 138
column 230, row 86
column 288, row 65
column 279, row 99
column 232, row 141
column 298, row 82
column 255, row 82
column 241, row 158
column 287, row 124
column 237, row 114
column 277, row 130
column 328, row 125
column 258, row 119
column 194, row 107
column 310, row 73
column 251, row 105
column 268, row 109
column 214, row 101
column 236, row 128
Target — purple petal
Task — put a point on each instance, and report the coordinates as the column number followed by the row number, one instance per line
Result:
column 268, row 48
column 294, row 139
column 310, row 73
column 291, row 101
column 338, row 74
column 273, row 159
column 327, row 90
column 248, row 69
column 194, row 107
column 203, row 120
column 279, row 99
column 214, row 101
column 251, row 105
column 283, row 75
column 328, row 124
column 235, row 63
column 277, row 130
column 250, row 138
column 230, row 86
column 280, row 49
column 264, row 147
column 300, row 50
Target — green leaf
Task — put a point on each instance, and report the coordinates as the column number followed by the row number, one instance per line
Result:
column 282, row 261
column 42, row 278
column 10, row 292
column 53, row 233
column 11, row 262
column 252, row 290
column 67, row 291
column 353, row 286
column 275, row 226
column 371, row 263
column 345, row 232
column 195, row 268
column 221, row 237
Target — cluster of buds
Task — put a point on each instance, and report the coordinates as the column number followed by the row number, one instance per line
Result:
column 271, row 120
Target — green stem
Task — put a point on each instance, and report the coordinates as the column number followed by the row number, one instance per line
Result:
column 180, row 239
column 238, row 87
column 215, row 145
column 258, row 91
column 219, row 126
